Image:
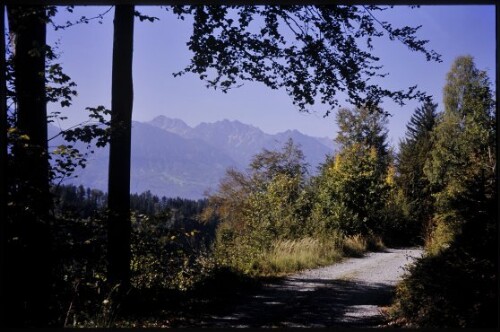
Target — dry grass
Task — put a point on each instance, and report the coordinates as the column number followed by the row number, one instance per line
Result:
column 288, row 256
column 375, row 243
column 355, row 246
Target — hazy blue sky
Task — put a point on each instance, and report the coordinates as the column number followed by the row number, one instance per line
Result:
column 160, row 50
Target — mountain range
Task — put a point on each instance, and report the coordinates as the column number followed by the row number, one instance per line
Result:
column 172, row 159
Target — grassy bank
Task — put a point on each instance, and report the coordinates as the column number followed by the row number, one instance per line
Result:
column 290, row 256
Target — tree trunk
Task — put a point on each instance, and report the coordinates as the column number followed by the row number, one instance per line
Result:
column 119, row 224
column 28, row 264
column 3, row 165
column 29, row 67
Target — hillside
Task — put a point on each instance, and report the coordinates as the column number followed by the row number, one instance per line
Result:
column 171, row 159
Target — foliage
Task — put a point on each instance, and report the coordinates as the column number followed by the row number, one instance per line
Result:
column 273, row 221
column 455, row 285
column 352, row 188
column 288, row 162
column 165, row 257
column 79, row 285
column 170, row 253
column 456, row 288
column 364, row 127
column 66, row 158
column 414, row 152
column 462, row 161
column 400, row 227
column 81, row 20
column 256, row 209
column 310, row 51
column 355, row 185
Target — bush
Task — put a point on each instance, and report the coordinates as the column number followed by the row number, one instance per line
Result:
column 457, row 286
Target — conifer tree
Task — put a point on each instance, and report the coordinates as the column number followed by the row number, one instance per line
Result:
column 455, row 284
column 462, row 165
column 414, row 151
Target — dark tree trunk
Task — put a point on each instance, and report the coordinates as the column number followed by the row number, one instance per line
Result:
column 3, row 161
column 28, row 265
column 119, row 224
column 29, row 67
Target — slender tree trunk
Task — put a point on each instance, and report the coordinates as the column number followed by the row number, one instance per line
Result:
column 28, row 266
column 3, row 161
column 119, row 224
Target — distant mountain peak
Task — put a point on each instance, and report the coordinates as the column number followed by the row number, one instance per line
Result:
column 292, row 131
column 226, row 122
column 175, row 126
column 173, row 159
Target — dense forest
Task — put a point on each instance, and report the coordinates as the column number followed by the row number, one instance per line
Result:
column 80, row 257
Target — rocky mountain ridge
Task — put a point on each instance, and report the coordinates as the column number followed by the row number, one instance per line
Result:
column 172, row 159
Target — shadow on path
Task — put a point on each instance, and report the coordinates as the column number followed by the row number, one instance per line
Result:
column 296, row 302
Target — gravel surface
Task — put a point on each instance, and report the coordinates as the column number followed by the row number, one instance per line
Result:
column 347, row 294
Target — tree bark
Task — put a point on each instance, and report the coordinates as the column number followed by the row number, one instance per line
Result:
column 119, row 224
column 28, row 258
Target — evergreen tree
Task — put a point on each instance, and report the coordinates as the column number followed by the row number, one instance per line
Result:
column 462, row 159
column 414, row 151
column 422, row 122
column 456, row 285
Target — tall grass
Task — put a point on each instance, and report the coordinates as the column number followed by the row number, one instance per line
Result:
column 288, row 256
column 285, row 256
column 354, row 246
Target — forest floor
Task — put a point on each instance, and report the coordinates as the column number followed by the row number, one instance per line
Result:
column 348, row 294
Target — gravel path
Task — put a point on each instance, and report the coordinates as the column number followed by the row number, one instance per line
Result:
column 348, row 294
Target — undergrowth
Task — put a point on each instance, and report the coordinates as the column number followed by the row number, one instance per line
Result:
column 288, row 256
column 455, row 287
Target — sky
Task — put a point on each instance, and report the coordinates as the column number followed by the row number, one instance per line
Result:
column 160, row 50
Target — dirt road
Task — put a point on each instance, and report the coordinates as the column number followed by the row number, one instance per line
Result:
column 348, row 294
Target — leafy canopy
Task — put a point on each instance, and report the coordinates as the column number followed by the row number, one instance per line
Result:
column 311, row 51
